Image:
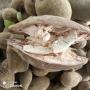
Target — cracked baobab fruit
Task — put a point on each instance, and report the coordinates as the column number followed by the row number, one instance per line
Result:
column 9, row 14
column 39, row 72
column 15, row 62
column 39, row 83
column 80, row 9
column 30, row 7
column 18, row 5
column 37, row 63
column 6, row 77
column 85, row 85
column 70, row 78
column 48, row 35
column 25, row 79
column 80, row 45
column 51, row 7
column 3, row 39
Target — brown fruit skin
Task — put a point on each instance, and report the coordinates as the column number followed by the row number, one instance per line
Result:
column 70, row 79
column 18, row 5
column 60, row 8
column 29, row 6
column 9, row 14
column 84, row 85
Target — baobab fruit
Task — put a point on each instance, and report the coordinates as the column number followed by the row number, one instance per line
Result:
column 9, row 14
column 70, row 78
column 39, row 83
column 60, row 8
